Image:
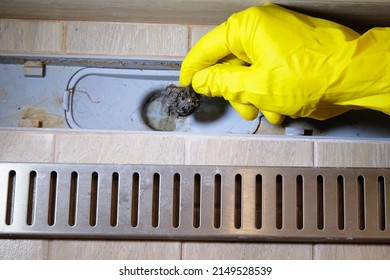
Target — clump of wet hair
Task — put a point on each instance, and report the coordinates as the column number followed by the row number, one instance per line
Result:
column 180, row 101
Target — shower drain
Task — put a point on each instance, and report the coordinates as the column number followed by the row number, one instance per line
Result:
column 194, row 202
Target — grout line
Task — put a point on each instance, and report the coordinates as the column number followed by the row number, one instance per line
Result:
column 49, row 248
column 124, row 55
column 181, row 250
column 316, row 153
column 313, row 251
column 132, row 56
column 64, row 36
column 56, row 144
column 187, row 150
column 190, row 31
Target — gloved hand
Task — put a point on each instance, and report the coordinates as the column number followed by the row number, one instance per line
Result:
column 285, row 63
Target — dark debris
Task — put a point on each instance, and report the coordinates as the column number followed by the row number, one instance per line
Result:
column 180, row 101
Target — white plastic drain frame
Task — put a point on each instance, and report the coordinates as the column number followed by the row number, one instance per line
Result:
column 194, row 202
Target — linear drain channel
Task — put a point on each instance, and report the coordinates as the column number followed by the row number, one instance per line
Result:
column 194, row 202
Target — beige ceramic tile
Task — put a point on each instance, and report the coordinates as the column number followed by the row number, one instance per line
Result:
column 26, row 146
column 93, row 249
column 126, row 39
column 197, row 32
column 352, row 154
column 21, row 249
column 120, row 148
column 30, row 36
column 351, row 252
column 251, row 150
column 243, row 251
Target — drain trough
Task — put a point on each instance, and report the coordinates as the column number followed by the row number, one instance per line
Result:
column 194, row 202
column 111, row 93
column 119, row 98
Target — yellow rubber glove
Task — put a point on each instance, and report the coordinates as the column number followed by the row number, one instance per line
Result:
column 281, row 62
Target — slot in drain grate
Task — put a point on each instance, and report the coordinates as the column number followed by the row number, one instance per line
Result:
column 194, row 202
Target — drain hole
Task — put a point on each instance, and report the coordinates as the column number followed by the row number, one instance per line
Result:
column 361, row 203
column 73, row 198
column 237, row 201
column 217, row 200
column 259, row 202
column 279, row 202
column 381, row 203
column 156, row 200
column 10, row 197
column 52, row 198
column 320, row 202
column 32, row 184
column 340, row 203
column 176, row 201
column 299, row 192
column 114, row 199
column 93, row 199
column 134, row 200
column 156, row 118
column 196, row 209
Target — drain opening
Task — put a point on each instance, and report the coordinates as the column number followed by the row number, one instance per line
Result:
column 381, row 203
column 340, row 202
column 299, row 198
column 176, row 201
column 197, row 200
column 217, row 200
column 32, row 187
column 361, row 203
column 279, row 202
column 52, row 198
column 320, row 202
column 93, row 199
column 155, row 200
column 212, row 110
column 135, row 200
column 74, row 177
column 114, row 199
column 237, row 201
column 10, row 198
column 259, row 201
column 156, row 118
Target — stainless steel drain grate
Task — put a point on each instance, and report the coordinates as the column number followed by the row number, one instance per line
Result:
column 194, row 202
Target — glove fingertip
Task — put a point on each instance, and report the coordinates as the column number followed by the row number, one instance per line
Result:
column 273, row 118
column 246, row 111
